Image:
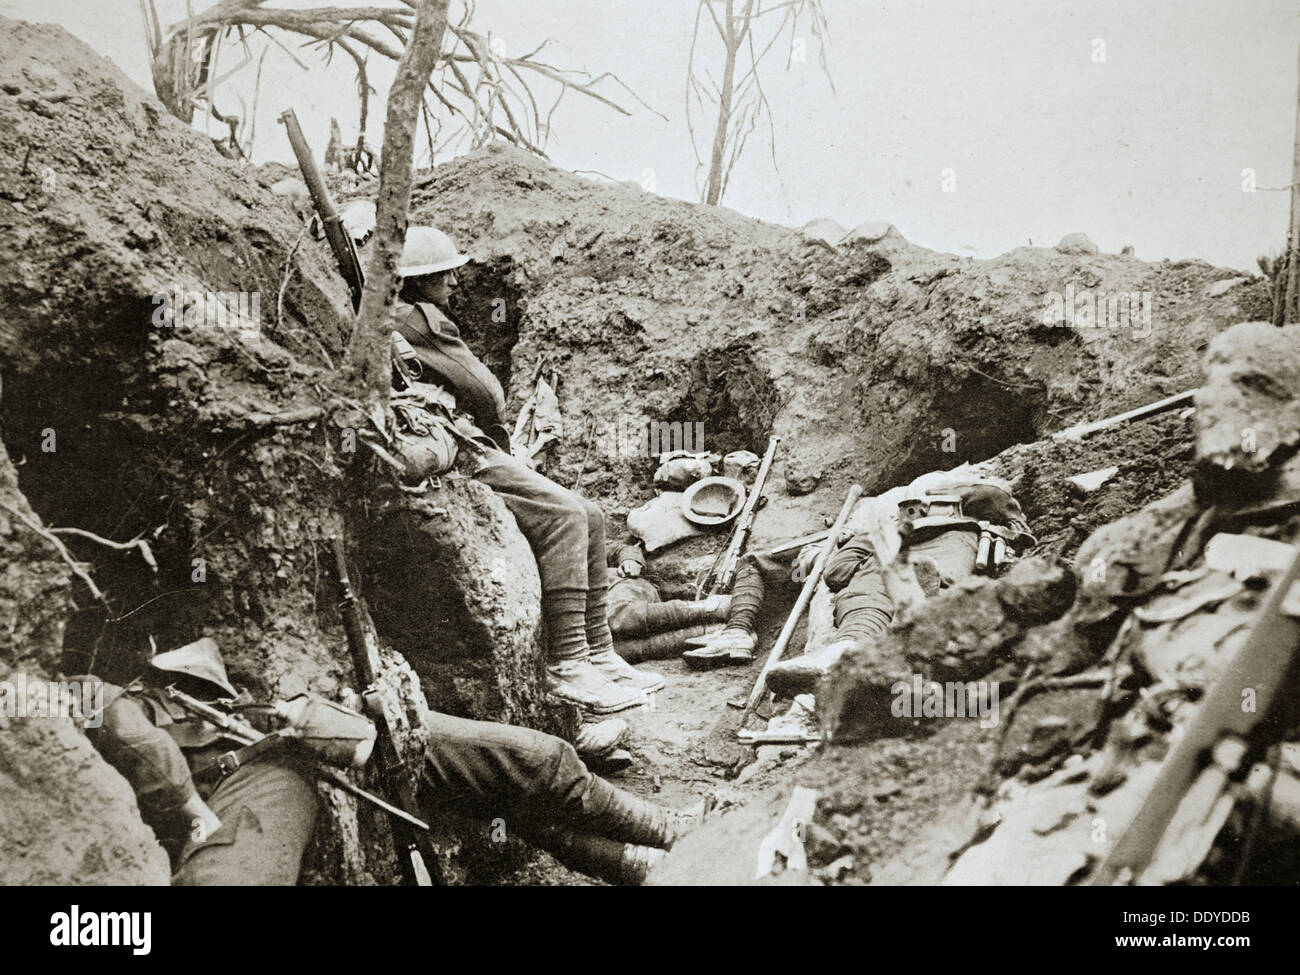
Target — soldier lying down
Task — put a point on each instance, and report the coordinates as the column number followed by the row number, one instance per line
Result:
column 246, row 819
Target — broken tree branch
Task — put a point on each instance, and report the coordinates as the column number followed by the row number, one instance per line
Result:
column 138, row 542
column 368, row 346
column 76, row 567
column 500, row 86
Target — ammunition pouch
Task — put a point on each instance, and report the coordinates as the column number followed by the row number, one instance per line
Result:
column 998, row 546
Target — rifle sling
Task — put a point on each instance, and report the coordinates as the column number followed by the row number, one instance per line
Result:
column 228, row 763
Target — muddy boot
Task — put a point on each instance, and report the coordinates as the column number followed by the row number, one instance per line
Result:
column 662, row 646
column 577, row 682
column 572, row 678
column 730, row 646
column 800, row 675
column 595, row 738
column 596, row 856
column 717, row 605
column 601, row 654
column 610, row 811
column 598, row 744
column 615, row 669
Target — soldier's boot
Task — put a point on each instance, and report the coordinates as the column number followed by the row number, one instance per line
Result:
column 578, row 682
column 597, row 743
column 615, row 669
column 662, row 646
column 598, row 856
column 718, row 605
column 595, row 738
column 731, row 645
column 611, row 762
column 602, row 656
column 610, row 811
column 801, row 675
column 570, row 674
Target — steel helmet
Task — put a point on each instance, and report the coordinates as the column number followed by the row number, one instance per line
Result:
column 201, row 660
column 427, row 251
column 713, row 501
column 359, row 219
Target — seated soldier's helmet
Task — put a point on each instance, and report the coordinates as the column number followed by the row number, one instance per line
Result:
column 200, row 660
column 428, row 251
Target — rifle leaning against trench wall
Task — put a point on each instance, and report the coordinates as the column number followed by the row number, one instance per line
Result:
column 415, row 842
column 340, row 239
column 399, row 777
column 341, row 242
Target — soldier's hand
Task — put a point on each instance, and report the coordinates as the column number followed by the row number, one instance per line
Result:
column 630, row 569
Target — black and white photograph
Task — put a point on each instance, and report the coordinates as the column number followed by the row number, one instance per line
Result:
column 729, row 443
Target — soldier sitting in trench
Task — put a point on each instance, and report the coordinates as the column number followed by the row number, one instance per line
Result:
column 566, row 531
column 943, row 544
column 247, row 822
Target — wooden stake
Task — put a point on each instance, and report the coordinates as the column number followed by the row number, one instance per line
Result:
column 1079, row 431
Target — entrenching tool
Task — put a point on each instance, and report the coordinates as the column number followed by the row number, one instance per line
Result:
column 800, row 604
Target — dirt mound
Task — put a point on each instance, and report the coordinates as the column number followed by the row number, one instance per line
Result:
column 875, row 361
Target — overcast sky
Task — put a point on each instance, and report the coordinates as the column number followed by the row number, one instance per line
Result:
column 1131, row 120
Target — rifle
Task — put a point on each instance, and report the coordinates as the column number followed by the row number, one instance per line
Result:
column 365, row 661
column 244, row 733
column 1192, row 796
column 341, row 242
column 726, row 575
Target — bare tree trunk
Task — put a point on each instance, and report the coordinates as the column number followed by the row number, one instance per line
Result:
column 368, row 353
column 713, row 188
column 1291, row 295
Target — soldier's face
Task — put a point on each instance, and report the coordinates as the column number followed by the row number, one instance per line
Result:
column 437, row 288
